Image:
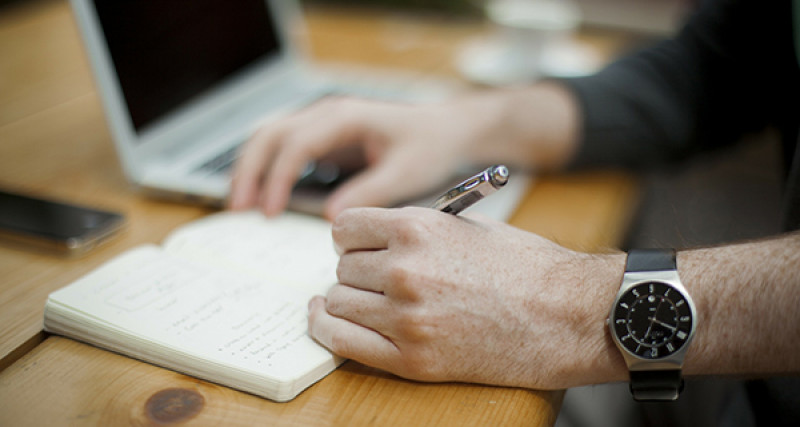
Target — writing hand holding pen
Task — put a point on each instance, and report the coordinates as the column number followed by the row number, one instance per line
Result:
column 417, row 299
column 428, row 297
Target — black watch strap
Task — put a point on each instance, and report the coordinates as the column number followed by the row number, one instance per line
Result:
column 650, row 260
column 656, row 386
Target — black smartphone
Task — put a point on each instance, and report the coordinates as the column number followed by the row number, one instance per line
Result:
column 54, row 225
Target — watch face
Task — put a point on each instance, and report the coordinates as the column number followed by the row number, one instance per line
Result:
column 652, row 320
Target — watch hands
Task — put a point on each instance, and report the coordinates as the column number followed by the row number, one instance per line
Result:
column 648, row 331
column 654, row 320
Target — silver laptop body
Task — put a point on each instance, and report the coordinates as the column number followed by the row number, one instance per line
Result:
column 184, row 82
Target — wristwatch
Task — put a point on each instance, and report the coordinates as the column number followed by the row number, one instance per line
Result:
column 652, row 322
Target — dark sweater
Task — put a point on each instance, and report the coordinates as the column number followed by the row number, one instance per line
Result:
column 733, row 69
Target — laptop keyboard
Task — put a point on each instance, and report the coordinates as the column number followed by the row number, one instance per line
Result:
column 221, row 163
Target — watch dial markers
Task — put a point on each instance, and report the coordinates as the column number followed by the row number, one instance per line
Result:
column 656, row 324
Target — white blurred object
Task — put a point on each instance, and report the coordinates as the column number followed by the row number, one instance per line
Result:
column 532, row 40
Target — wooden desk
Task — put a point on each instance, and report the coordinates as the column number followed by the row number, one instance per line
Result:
column 55, row 143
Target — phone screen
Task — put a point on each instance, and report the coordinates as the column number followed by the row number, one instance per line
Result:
column 55, row 224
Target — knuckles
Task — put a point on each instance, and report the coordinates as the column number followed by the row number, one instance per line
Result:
column 404, row 227
column 410, row 229
column 414, row 326
column 349, row 114
column 405, row 281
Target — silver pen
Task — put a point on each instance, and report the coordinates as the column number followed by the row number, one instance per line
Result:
column 473, row 189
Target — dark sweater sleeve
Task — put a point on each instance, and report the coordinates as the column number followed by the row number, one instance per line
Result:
column 719, row 78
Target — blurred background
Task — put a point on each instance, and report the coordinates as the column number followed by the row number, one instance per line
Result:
column 648, row 16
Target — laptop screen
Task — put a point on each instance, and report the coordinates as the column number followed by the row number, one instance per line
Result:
column 166, row 52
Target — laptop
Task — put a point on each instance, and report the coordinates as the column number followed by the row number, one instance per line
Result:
column 185, row 82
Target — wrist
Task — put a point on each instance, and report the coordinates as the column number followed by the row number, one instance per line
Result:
column 533, row 127
column 652, row 322
column 600, row 361
column 688, row 268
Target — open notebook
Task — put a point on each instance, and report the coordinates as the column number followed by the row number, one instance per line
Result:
column 224, row 298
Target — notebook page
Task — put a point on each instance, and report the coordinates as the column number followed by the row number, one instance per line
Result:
column 292, row 249
column 225, row 319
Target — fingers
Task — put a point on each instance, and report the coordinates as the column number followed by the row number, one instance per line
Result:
column 401, row 162
column 271, row 161
column 348, row 339
column 362, row 229
column 310, row 140
column 364, row 307
column 253, row 159
column 359, row 269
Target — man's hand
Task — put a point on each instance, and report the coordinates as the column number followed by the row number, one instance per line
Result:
column 409, row 150
column 435, row 297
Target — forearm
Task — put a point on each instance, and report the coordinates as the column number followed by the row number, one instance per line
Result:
column 747, row 297
column 415, row 298
column 748, row 300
